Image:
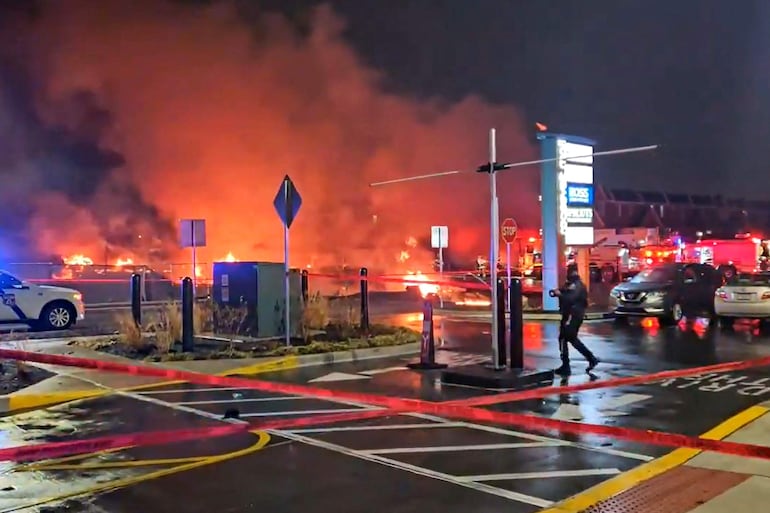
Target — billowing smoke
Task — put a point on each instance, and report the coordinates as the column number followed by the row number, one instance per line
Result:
column 119, row 118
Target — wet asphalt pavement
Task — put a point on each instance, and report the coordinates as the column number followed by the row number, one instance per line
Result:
column 403, row 463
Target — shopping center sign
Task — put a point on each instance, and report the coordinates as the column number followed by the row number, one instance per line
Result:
column 576, row 192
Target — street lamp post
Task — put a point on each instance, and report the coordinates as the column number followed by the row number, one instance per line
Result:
column 494, row 230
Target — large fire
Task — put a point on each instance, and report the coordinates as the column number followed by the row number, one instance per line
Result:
column 183, row 153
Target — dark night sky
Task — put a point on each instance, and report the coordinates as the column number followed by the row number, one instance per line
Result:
column 689, row 74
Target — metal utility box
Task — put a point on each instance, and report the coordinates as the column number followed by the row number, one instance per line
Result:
column 259, row 287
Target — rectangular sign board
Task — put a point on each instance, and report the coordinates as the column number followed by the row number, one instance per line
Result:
column 192, row 233
column 439, row 237
column 576, row 192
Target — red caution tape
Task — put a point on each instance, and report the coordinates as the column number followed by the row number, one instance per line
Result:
column 60, row 449
column 616, row 382
column 544, row 424
column 462, row 411
column 51, row 450
column 206, row 379
column 394, row 403
column 413, row 280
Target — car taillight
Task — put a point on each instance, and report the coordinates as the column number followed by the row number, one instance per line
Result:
column 721, row 294
column 766, row 295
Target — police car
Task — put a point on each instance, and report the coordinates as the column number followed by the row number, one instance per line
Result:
column 40, row 306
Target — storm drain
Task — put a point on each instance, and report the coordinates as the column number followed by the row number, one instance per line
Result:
column 676, row 491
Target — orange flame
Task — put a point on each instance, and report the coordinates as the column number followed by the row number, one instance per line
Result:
column 229, row 258
column 124, row 261
column 419, row 280
column 78, row 260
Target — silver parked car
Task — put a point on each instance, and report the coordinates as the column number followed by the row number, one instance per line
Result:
column 744, row 296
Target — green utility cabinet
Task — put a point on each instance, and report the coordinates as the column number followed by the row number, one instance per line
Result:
column 258, row 287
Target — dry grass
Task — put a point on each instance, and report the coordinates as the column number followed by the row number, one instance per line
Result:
column 315, row 315
column 168, row 327
column 131, row 333
column 345, row 311
column 23, row 369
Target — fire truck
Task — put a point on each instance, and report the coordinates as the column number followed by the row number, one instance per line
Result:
column 741, row 254
column 618, row 254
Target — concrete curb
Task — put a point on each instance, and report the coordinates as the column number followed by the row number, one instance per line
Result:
column 23, row 401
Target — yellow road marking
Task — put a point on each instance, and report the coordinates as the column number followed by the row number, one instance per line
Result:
column 262, row 441
column 610, row 488
column 65, row 459
column 28, row 401
column 109, row 465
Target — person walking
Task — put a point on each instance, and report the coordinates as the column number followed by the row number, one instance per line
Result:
column 573, row 302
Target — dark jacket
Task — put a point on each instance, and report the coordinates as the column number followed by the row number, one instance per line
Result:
column 575, row 298
column 564, row 305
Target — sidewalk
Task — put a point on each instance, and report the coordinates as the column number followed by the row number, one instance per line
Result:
column 704, row 482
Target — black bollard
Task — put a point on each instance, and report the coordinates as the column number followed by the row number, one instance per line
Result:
column 304, row 285
column 515, row 299
column 364, row 300
column 136, row 298
column 428, row 344
column 188, row 344
column 502, row 354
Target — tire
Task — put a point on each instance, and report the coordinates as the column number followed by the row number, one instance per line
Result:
column 620, row 320
column 57, row 316
column 675, row 313
column 726, row 322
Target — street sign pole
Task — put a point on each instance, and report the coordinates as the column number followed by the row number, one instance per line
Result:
column 195, row 262
column 439, row 239
column 193, row 236
column 287, row 295
column 287, row 204
column 494, row 227
column 508, row 265
column 440, row 270
column 508, row 229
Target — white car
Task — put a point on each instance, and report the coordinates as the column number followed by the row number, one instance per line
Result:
column 39, row 306
column 745, row 296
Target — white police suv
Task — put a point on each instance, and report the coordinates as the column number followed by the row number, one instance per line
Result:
column 41, row 307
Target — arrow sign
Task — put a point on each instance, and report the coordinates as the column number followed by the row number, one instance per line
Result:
column 287, row 202
column 338, row 376
column 575, row 412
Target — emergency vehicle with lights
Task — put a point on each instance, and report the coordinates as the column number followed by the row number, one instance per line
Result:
column 42, row 307
column 743, row 254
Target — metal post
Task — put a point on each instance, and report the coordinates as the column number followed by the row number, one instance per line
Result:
column 440, row 271
column 136, row 298
column 287, row 316
column 508, row 269
column 304, row 285
column 187, row 315
column 494, row 227
column 516, row 324
column 364, row 300
column 502, row 354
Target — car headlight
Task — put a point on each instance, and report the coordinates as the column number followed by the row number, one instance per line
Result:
column 77, row 296
column 656, row 294
column 615, row 293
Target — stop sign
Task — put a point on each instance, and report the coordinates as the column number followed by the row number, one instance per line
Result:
column 508, row 230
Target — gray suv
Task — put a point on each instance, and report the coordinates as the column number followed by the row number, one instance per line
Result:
column 667, row 292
